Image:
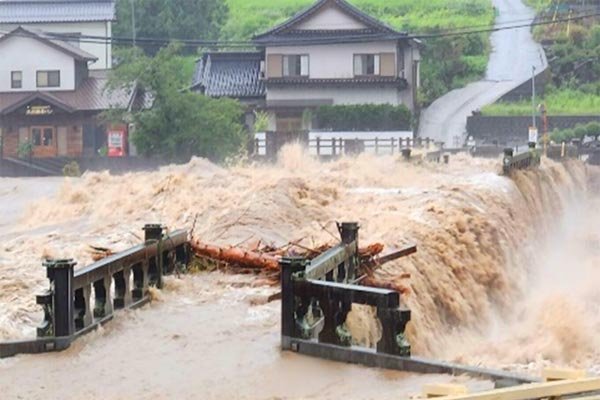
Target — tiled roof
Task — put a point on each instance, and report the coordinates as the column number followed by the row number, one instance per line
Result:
column 61, row 45
column 37, row 11
column 235, row 74
column 285, row 32
column 90, row 96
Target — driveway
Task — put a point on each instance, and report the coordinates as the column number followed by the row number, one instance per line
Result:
column 514, row 53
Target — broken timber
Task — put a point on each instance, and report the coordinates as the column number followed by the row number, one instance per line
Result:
column 317, row 296
column 119, row 281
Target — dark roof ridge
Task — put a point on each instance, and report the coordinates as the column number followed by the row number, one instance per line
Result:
column 342, row 4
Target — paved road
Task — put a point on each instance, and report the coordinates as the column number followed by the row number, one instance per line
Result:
column 514, row 53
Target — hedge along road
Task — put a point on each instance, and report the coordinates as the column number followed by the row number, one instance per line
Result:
column 514, row 53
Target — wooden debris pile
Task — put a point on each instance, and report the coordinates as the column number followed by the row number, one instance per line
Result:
column 261, row 258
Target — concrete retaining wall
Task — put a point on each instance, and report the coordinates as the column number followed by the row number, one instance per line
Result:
column 511, row 131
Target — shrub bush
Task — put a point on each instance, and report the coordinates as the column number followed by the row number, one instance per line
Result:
column 72, row 169
column 590, row 130
column 364, row 117
column 25, row 150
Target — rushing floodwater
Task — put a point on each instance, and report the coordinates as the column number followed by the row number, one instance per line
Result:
column 504, row 275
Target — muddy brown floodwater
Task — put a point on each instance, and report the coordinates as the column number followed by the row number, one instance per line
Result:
column 505, row 275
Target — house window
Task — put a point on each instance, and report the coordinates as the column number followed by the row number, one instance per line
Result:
column 16, row 79
column 295, row 66
column 366, row 64
column 48, row 79
column 42, row 136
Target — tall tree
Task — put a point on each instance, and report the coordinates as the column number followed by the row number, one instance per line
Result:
column 180, row 123
column 171, row 19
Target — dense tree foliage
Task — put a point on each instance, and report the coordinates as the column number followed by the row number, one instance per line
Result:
column 180, row 123
column 172, row 19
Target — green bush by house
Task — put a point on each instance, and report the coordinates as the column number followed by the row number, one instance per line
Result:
column 363, row 117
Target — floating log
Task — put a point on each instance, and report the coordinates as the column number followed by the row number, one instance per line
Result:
column 99, row 253
column 237, row 256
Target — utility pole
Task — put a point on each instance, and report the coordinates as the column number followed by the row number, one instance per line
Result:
column 533, row 95
column 533, row 134
column 133, row 21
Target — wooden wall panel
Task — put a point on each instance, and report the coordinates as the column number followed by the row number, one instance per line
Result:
column 274, row 66
column 11, row 143
column 75, row 141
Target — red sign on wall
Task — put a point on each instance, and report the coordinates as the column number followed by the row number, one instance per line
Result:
column 117, row 138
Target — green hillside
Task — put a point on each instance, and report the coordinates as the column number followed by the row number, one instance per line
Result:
column 248, row 17
column 448, row 63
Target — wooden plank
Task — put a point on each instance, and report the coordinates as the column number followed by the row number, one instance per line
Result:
column 535, row 390
column 558, row 374
column 11, row 144
column 444, row 389
column 394, row 255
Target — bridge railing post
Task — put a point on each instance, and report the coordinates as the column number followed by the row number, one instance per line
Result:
column 59, row 304
column 289, row 266
column 349, row 234
column 154, row 233
column 507, row 160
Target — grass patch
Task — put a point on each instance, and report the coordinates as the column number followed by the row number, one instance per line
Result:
column 250, row 17
column 558, row 102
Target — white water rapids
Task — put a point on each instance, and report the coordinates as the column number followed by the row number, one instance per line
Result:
column 506, row 274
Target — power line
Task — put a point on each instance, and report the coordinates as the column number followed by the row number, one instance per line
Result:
column 471, row 30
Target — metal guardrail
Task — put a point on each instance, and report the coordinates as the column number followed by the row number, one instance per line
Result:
column 520, row 161
column 77, row 302
column 270, row 145
column 317, row 296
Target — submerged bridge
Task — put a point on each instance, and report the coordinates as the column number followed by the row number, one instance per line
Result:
column 317, row 296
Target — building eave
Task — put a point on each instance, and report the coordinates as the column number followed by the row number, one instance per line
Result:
column 29, row 97
column 400, row 83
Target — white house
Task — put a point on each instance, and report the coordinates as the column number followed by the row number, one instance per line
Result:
column 49, row 98
column 77, row 19
column 331, row 53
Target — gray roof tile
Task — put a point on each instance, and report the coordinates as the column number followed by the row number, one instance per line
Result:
column 38, row 11
column 235, row 74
